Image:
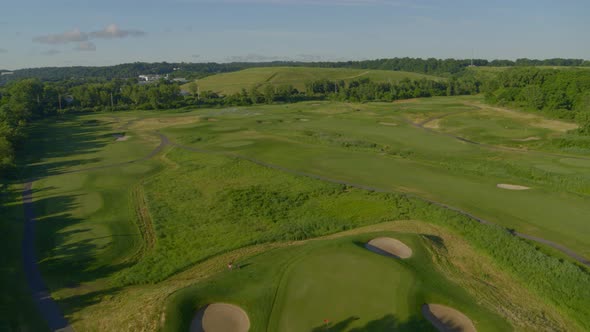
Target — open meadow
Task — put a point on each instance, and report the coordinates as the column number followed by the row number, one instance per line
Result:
column 234, row 82
column 138, row 215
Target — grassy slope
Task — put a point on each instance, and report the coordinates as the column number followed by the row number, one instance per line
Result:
column 426, row 278
column 229, row 83
column 338, row 142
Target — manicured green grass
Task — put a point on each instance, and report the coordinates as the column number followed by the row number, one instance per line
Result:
column 229, row 83
column 338, row 280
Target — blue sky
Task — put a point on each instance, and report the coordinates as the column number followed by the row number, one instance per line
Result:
column 36, row 33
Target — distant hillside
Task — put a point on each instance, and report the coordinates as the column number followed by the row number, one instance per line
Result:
column 229, row 83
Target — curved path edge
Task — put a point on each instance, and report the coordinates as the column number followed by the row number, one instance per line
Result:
column 570, row 253
column 46, row 305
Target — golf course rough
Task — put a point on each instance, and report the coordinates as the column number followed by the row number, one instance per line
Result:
column 389, row 247
column 220, row 317
column 447, row 319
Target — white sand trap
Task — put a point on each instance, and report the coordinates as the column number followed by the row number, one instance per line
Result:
column 220, row 317
column 304, row 120
column 390, row 247
column 528, row 139
column 388, row 124
column 121, row 138
column 447, row 319
column 511, row 186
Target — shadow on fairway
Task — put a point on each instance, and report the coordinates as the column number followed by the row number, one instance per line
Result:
column 386, row 323
column 63, row 251
column 60, row 140
column 79, row 302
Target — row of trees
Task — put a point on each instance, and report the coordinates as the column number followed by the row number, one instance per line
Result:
column 97, row 95
column 361, row 90
column 446, row 66
column 19, row 103
column 366, row 90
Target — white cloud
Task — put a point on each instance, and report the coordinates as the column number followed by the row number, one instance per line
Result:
column 253, row 58
column 62, row 38
column 86, row 46
column 77, row 36
column 113, row 31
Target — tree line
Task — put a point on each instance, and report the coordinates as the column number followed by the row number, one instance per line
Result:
column 197, row 70
column 559, row 93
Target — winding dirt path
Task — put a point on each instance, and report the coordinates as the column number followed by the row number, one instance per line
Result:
column 554, row 245
column 46, row 305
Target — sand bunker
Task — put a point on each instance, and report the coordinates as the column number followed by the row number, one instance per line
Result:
column 388, row 124
column 121, row 137
column 220, row 317
column 390, row 247
column 447, row 319
column 511, row 186
column 434, row 124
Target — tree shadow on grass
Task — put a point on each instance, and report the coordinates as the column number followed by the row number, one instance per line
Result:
column 386, row 323
column 52, row 139
column 66, row 252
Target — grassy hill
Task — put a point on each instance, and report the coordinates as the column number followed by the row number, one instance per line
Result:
column 228, row 83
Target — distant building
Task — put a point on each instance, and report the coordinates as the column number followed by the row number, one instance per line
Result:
column 180, row 80
column 6, row 73
column 149, row 78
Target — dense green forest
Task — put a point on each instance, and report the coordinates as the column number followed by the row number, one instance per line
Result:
column 21, row 102
column 196, row 70
column 558, row 93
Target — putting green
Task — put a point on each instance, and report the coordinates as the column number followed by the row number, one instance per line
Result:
column 342, row 284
